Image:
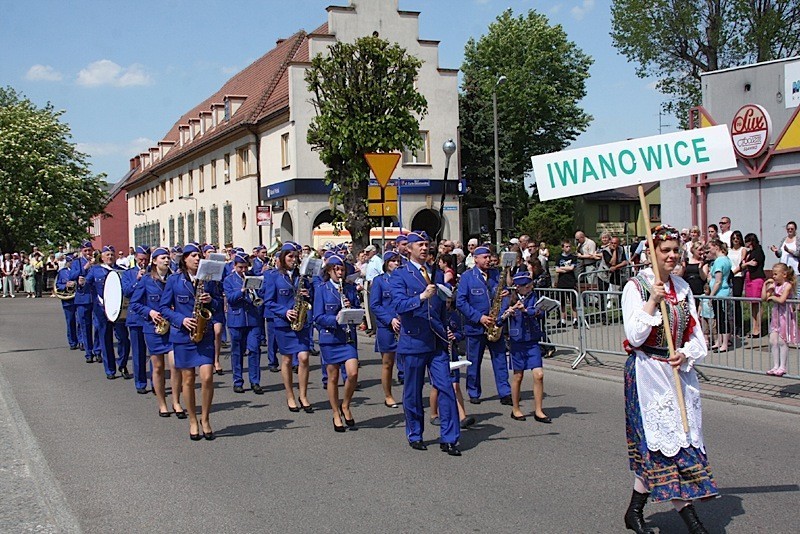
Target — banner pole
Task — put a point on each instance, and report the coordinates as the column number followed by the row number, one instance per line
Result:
column 665, row 317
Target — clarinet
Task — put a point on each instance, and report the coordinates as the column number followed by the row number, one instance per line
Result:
column 340, row 287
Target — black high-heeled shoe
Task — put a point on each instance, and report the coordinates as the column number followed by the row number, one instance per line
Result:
column 306, row 407
column 293, row 410
column 349, row 422
column 195, row 437
column 338, row 428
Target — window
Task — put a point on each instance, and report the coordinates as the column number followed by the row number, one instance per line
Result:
column 155, row 238
column 227, row 110
column 420, row 156
column 180, row 230
column 201, row 178
column 285, row 163
column 95, row 230
column 624, row 212
column 213, row 216
column 172, row 231
column 226, row 170
column 655, row 212
column 201, row 225
column 190, row 183
column 602, row 213
column 213, row 173
column 242, row 162
column 180, row 185
column 190, row 226
column 227, row 221
column 171, row 189
column 162, row 194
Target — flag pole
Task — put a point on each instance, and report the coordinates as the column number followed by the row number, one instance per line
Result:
column 665, row 317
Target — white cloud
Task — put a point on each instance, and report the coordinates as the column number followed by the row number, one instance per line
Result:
column 580, row 11
column 106, row 72
column 129, row 149
column 43, row 73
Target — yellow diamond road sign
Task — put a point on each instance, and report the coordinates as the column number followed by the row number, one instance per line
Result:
column 382, row 165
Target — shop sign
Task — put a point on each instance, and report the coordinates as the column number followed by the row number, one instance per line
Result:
column 750, row 131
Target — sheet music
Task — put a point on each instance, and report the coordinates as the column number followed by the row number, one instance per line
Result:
column 253, row 282
column 546, row 304
column 350, row 316
column 216, row 256
column 210, row 270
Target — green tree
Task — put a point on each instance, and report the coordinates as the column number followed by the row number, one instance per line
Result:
column 537, row 106
column 47, row 194
column 678, row 40
column 549, row 221
column 365, row 101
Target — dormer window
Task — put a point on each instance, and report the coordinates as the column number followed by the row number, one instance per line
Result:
column 227, row 113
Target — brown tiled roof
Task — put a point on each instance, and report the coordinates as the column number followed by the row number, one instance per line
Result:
column 265, row 84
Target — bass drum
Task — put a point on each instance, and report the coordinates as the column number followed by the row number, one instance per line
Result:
column 113, row 302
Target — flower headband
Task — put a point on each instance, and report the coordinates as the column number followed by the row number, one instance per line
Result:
column 664, row 232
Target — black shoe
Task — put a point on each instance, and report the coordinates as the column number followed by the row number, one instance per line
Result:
column 141, row 391
column 338, row 428
column 181, row 414
column 163, row 414
column 634, row 516
column 506, row 401
column 238, row 389
column 73, row 347
column 450, row 448
column 90, row 360
column 575, row 323
column 518, row 417
column 314, row 352
column 306, row 407
column 111, row 377
column 81, row 347
column 257, row 389
column 474, row 400
column 209, row 436
column 125, row 374
column 219, row 372
column 467, row 422
column 418, row 446
column 689, row 516
column 195, row 437
column 544, row 419
column 561, row 324
column 293, row 410
column 351, row 423
column 273, row 369
column 393, row 405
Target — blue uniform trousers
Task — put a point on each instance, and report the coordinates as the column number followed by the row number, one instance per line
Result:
column 72, row 331
column 105, row 331
column 97, row 344
column 476, row 345
column 83, row 314
column 272, row 344
column 139, row 353
column 123, row 343
column 438, row 365
column 245, row 338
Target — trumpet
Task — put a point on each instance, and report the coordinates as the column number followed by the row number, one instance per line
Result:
column 257, row 301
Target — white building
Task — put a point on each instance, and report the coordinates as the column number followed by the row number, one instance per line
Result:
column 760, row 194
column 245, row 146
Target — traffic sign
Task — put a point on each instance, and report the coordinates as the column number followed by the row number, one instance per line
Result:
column 382, row 165
column 382, row 201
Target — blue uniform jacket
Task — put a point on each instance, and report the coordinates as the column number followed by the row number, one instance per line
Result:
column 177, row 303
column 380, row 301
column 80, row 267
column 279, row 296
column 327, row 303
column 523, row 326
column 147, row 297
column 241, row 311
column 258, row 267
column 474, row 299
column 61, row 284
column 268, row 285
column 129, row 284
column 422, row 322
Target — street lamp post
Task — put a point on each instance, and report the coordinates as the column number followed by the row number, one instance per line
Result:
column 449, row 148
column 498, row 220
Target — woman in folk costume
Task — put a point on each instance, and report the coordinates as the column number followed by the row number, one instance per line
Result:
column 668, row 463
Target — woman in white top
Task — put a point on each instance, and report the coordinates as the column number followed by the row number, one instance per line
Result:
column 668, row 464
column 788, row 251
column 736, row 253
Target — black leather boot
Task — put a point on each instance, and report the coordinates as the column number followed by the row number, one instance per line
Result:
column 689, row 516
column 634, row 516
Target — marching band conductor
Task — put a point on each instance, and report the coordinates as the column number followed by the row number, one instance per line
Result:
column 423, row 341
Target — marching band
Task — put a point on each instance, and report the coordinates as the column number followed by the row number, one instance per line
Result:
column 174, row 320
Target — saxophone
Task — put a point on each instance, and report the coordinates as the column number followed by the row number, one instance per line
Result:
column 200, row 313
column 301, row 308
column 494, row 332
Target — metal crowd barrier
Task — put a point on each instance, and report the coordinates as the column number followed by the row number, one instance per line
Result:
column 595, row 327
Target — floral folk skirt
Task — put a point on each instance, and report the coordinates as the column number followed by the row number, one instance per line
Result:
column 685, row 476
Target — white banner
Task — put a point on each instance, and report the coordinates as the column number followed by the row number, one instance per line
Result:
column 791, row 75
column 648, row 159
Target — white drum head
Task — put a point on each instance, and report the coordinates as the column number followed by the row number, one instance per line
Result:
column 112, row 296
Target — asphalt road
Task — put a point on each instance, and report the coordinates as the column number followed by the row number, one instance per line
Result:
column 81, row 449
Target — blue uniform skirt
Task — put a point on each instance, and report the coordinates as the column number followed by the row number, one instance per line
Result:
column 157, row 344
column 685, row 476
column 291, row 342
column 385, row 340
column 525, row 357
column 188, row 355
column 336, row 354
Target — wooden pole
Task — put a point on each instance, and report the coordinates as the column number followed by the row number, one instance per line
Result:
column 665, row 317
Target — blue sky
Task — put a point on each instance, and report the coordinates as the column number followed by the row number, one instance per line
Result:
column 125, row 71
